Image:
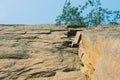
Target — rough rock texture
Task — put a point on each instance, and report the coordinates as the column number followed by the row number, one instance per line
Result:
column 100, row 53
column 37, row 53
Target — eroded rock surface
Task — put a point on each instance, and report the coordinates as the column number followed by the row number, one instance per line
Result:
column 100, row 53
column 37, row 53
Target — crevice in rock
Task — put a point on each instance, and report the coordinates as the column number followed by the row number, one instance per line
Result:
column 43, row 74
column 69, row 69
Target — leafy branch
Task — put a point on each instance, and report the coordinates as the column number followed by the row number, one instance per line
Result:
column 96, row 16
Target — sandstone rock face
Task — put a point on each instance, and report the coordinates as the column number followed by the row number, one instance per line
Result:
column 109, row 63
column 100, row 54
column 37, row 53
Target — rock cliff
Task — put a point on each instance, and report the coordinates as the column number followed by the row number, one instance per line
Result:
column 37, row 53
column 100, row 54
column 49, row 52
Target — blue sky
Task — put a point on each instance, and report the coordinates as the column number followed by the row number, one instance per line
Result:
column 39, row 11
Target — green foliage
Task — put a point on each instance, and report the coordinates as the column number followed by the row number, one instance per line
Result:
column 70, row 15
column 80, row 63
column 96, row 15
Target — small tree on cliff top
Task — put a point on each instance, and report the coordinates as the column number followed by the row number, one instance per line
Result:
column 96, row 16
column 70, row 15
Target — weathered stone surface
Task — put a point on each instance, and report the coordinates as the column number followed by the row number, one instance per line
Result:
column 75, row 75
column 99, row 52
column 76, row 39
column 109, row 64
column 40, row 32
column 36, row 53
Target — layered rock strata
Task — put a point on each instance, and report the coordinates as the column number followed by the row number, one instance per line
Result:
column 37, row 53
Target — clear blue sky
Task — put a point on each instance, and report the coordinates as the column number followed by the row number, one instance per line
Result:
column 39, row 11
